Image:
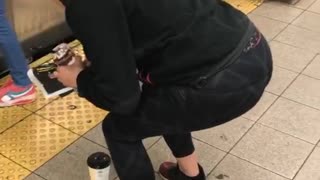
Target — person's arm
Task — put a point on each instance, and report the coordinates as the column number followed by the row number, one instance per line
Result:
column 110, row 82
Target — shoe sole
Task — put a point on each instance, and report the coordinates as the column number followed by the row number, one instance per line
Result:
column 20, row 101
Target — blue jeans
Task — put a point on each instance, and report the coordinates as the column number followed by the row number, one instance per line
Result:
column 13, row 54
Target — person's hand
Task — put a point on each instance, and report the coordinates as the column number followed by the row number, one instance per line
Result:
column 67, row 75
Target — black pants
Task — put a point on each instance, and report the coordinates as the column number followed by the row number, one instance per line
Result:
column 175, row 111
column 132, row 161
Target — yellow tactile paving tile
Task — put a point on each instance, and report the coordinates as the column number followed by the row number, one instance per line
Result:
column 39, row 102
column 11, row 171
column 246, row 6
column 34, row 141
column 11, row 115
column 74, row 113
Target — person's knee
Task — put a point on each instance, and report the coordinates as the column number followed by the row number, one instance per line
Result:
column 113, row 131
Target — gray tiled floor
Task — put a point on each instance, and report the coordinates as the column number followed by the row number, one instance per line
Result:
column 311, row 169
column 34, row 177
column 276, row 140
column 269, row 27
column 278, row 11
column 280, row 81
column 273, row 150
column 289, row 57
column 313, row 69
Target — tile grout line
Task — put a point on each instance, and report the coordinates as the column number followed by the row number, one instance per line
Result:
column 303, row 69
column 305, row 161
column 314, row 1
column 282, row 30
column 51, row 121
column 224, row 156
column 29, row 115
column 259, row 166
column 291, row 45
column 78, row 134
column 303, row 11
column 306, row 8
column 46, row 104
column 202, row 141
column 232, row 147
column 245, row 134
column 14, row 124
column 219, row 162
column 286, row 133
column 33, row 173
column 19, row 165
column 296, row 72
column 290, row 23
column 286, row 87
column 79, row 137
column 281, row 95
column 256, row 122
column 311, row 77
column 283, row 5
column 305, row 28
column 269, row 93
column 278, row 96
column 63, row 149
column 284, row 68
column 297, row 7
column 299, row 74
column 153, row 144
column 228, row 152
column 46, row 119
column 94, row 142
column 270, row 18
column 69, row 145
column 300, row 103
column 316, row 54
column 212, row 146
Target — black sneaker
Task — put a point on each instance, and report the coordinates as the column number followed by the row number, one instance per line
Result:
column 170, row 171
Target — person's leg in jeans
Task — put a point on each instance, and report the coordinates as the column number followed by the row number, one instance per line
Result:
column 131, row 160
column 187, row 166
column 21, row 90
column 129, row 156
